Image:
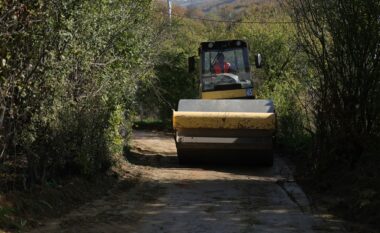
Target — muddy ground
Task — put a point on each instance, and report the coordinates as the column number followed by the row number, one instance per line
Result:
column 174, row 198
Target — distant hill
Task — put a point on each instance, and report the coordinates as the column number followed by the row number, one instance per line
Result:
column 222, row 9
column 186, row 3
column 213, row 5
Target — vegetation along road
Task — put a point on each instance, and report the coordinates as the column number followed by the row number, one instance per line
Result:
column 173, row 198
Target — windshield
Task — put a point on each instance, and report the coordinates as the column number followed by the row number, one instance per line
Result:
column 225, row 69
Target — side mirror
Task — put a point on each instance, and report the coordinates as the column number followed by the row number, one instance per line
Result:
column 258, row 61
column 191, row 64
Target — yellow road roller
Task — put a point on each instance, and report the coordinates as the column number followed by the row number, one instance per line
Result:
column 227, row 124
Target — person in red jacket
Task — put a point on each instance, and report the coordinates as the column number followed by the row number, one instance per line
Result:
column 221, row 66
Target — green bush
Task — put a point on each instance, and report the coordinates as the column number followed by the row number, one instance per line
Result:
column 291, row 117
column 69, row 75
column 171, row 81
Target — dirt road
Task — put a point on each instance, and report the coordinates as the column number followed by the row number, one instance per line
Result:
column 173, row 198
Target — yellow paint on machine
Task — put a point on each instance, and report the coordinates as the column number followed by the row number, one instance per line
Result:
column 224, row 120
column 226, row 94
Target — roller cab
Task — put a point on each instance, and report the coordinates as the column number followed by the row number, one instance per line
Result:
column 227, row 124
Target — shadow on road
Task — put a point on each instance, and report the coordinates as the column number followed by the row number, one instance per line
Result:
column 171, row 161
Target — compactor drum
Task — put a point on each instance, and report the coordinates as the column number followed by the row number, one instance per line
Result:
column 227, row 124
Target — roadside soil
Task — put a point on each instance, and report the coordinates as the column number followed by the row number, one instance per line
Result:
column 174, row 198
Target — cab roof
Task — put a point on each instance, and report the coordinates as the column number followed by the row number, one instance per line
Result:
column 225, row 44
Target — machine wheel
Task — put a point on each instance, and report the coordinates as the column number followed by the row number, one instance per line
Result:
column 267, row 159
column 183, row 158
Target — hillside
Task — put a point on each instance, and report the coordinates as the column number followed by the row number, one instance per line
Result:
column 208, row 6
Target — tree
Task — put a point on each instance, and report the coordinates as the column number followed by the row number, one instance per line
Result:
column 176, row 42
column 341, row 39
column 68, row 80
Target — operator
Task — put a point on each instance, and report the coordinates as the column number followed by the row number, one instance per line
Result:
column 221, row 66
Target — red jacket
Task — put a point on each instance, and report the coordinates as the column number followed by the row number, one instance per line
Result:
column 218, row 69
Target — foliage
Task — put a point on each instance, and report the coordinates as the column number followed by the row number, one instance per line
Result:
column 171, row 81
column 341, row 40
column 175, row 81
column 69, row 71
column 5, row 215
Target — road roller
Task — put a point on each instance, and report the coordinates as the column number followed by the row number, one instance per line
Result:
column 227, row 124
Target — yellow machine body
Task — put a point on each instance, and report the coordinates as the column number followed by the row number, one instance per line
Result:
column 224, row 120
column 226, row 94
